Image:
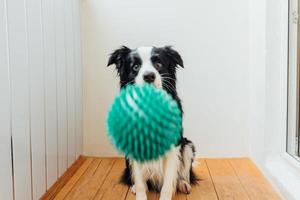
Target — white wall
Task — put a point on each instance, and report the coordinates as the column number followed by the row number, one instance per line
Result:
column 269, row 78
column 40, row 101
column 257, row 76
column 213, row 39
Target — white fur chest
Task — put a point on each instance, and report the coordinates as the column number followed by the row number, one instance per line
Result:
column 154, row 171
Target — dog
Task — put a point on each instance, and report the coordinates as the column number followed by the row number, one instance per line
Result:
column 172, row 172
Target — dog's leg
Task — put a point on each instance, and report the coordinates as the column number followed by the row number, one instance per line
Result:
column 170, row 175
column 187, row 156
column 140, row 183
column 132, row 189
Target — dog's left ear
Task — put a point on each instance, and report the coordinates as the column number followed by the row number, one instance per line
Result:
column 174, row 56
column 118, row 56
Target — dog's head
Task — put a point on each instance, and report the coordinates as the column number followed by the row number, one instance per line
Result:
column 152, row 65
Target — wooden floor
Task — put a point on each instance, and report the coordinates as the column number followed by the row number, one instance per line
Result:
column 98, row 178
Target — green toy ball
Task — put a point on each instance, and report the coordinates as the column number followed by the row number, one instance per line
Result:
column 144, row 122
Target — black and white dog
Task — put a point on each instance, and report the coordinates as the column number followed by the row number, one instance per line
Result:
column 173, row 172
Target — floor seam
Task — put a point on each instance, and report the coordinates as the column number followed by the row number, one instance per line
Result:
column 127, row 193
column 97, row 167
column 105, row 178
column 211, row 179
column 78, row 179
column 95, row 159
column 228, row 161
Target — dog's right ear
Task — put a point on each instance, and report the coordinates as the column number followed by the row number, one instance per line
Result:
column 118, row 56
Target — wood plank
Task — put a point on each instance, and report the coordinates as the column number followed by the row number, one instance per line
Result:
column 205, row 188
column 252, row 179
column 219, row 179
column 112, row 188
column 62, row 181
column 225, row 180
column 153, row 196
column 130, row 195
column 179, row 196
column 84, row 179
column 92, row 180
column 71, row 183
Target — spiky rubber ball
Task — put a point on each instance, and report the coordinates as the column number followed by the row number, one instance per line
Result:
column 144, row 122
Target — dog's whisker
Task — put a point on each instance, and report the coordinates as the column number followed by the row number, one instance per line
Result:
column 173, row 89
column 167, row 81
column 164, row 74
column 129, row 82
column 169, row 78
column 132, row 81
column 169, row 86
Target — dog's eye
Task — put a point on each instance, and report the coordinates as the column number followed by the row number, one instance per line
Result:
column 136, row 67
column 158, row 65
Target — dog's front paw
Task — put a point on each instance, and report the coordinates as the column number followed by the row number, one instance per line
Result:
column 184, row 187
column 132, row 189
column 141, row 197
column 165, row 198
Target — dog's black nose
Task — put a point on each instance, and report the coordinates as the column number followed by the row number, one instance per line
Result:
column 149, row 77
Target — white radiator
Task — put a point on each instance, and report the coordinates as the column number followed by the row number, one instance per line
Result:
column 40, row 94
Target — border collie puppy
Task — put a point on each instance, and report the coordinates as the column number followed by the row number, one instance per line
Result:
column 172, row 172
